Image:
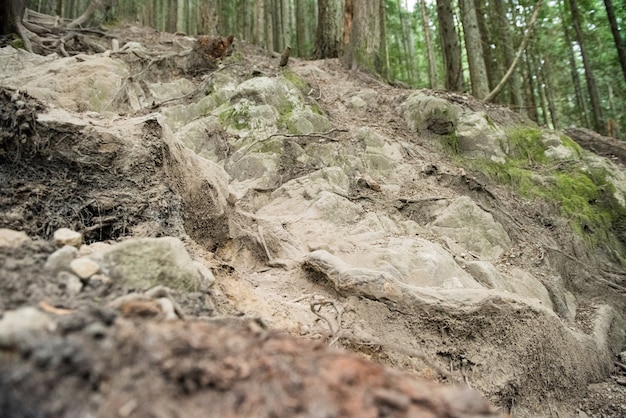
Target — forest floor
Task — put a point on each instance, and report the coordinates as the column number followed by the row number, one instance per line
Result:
column 26, row 281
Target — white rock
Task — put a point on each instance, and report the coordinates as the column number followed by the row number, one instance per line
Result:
column 66, row 236
column 60, row 259
column 15, row 324
column 84, row 267
column 10, row 238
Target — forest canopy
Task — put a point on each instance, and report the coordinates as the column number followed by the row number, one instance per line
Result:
column 560, row 62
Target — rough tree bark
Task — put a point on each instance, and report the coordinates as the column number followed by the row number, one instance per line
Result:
column 619, row 43
column 329, row 38
column 432, row 65
column 366, row 49
column 473, row 46
column 450, row 45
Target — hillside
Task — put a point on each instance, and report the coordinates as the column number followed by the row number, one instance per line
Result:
column 239, row 222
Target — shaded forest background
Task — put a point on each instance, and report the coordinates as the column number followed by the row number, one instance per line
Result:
column 560, row 62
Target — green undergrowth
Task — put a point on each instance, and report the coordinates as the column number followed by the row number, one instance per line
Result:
column 584, row 195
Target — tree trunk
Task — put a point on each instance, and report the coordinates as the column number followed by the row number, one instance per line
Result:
column 11, row 12
column 529, row 90
column 547, row 76
column 478, row 72
column 486, row 26
column 300, row 48
column 328, row 41
column 581, row 108
column 432, row 65
column 450, row 46
column 596, row 108
column 366, row 49
column 619, row 44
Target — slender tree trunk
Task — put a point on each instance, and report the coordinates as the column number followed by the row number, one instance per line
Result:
column 487, row 28
column 299, row 49
column 450, row 46
column 547, row 76
column 478, row 72
column 406, row 43
column 529, row 90
column 581, row 108
column 366, row 49
column 328, row 42
column 619, row 43
column 432, row 65
column 259, row 22
column 596, row 108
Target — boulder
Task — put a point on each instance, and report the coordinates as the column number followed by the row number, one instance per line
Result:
column 424, row 113
column 148, row 262
column 472, row 228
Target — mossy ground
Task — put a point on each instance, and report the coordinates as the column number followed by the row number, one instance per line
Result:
column 584, row 195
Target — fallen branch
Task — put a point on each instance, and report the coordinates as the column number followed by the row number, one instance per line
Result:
column 322, row 135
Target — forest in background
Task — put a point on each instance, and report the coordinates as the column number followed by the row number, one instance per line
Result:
column 560, row 62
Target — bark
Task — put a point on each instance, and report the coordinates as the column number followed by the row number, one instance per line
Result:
column 529, row 90
column 366, row 49
column 549, row 90
column 487, row 28
column 301, row 41
column 328, row 41
column 619, row 44
column 581, row 108
column 432, row 65
column 93, row 6
column 450, row 45
column 473, row 46
column 11, row 13
column 596, row 109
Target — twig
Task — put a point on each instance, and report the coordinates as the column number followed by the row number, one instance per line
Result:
column 323, row 135
column 621, row 365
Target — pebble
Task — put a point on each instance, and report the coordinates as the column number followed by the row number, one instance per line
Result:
column 60, row 259
column 12, row 239
column 206, row 273
column 73, row 285
column 84, row 267
column 66, row 236
column 17, row 323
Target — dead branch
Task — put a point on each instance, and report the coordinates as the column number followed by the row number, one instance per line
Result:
column 521, row 49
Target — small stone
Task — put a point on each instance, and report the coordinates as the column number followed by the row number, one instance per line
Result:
column 15, row 324
column 84, row 267
column 207, row 275
column 11, row 239
column 60, row 260
column 73, row 285
column 66, row 236
column 99, row 279
column 357, row 103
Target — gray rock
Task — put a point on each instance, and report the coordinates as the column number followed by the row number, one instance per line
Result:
column 472, row 228
column 11, row 239
column 478, row 138
column 426, row 113
column 18, row 323
column 73, row 285
column 148, row 262
column 84, row 267
column 61, row 259
column 66, row 236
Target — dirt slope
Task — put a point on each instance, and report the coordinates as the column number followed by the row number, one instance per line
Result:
column 290, row 247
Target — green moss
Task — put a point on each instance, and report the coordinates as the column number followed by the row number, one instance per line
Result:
column 296, row 80
column 526, row 144
column 584, row 196
column 571, row 144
